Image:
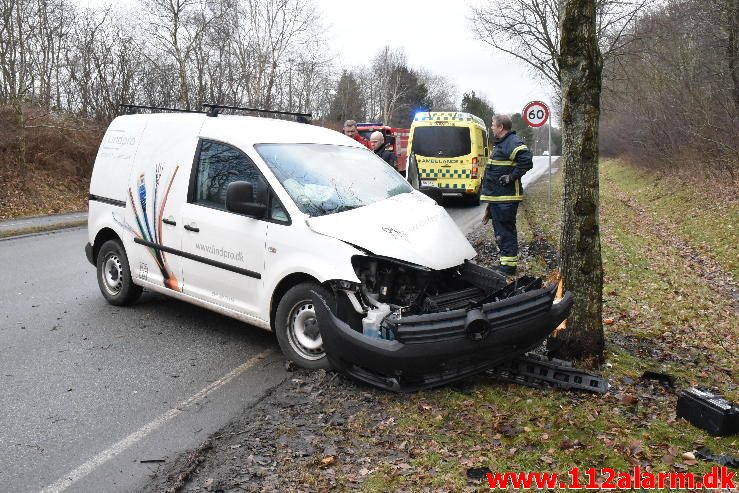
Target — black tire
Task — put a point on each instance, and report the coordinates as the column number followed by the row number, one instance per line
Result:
column 296, row 327
column 114, row 275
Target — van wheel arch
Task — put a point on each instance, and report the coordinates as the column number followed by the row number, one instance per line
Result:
column 283, row 287
column 103, row 236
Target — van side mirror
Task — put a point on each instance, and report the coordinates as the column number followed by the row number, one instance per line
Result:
column 240, row 199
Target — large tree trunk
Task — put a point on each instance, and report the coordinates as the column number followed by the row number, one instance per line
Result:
column 732, row 51
column 580, row 64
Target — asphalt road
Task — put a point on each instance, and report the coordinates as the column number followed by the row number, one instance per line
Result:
column 92, row 393
column 90, row 390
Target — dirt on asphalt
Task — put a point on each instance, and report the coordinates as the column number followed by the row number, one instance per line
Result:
column 309, row 430
column 313, row 428
column 306, row 423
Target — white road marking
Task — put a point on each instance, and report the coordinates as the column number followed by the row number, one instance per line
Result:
column 72, row 477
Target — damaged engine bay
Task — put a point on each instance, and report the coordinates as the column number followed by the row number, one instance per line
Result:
column 395, row 289
column 406, row 327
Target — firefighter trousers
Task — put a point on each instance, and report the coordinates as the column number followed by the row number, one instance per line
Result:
column 503, row 215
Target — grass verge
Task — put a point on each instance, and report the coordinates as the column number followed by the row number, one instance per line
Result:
column 660, row 315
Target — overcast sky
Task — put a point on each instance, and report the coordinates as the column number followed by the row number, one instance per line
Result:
column 437, row 36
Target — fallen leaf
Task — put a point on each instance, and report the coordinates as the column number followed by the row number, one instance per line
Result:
column 635, row 447
column 629, row 399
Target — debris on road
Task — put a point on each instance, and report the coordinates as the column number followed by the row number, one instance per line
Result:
column 535, row 370
column 477, row 473
column 663, row 378
column 708, row 411
column 722, row 460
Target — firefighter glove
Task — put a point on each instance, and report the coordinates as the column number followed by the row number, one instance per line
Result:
column 505, row 180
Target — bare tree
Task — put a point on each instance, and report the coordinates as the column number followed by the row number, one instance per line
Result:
column 580, row 63
column 732, row 46
column 442, row 91
column 16, row 31
column 529, row 30
column 679, row 70
column 179, row 26
column 388, row 88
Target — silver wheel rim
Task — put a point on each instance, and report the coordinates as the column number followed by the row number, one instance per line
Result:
column 302, row 331
column 112, row 275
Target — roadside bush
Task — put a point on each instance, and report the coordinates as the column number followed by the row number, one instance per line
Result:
column 47, row 141
column 670, row 101
column 45, row 160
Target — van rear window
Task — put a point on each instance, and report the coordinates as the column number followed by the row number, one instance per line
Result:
column 442, row 141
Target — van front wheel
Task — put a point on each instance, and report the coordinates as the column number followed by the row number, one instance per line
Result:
column 114, row 275
column 296, row 327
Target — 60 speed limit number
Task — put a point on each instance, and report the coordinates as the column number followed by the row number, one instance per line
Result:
column 535, row 114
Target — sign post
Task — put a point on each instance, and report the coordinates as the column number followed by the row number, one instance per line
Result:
column 536, row 114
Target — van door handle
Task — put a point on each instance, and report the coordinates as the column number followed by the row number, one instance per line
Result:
column 169, row 221
column 194, row 229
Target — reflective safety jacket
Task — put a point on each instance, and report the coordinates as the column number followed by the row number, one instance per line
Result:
column 510, row 157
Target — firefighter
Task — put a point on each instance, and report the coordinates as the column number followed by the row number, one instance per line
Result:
column 502, row 189
column 377, row 141
column 350, row 130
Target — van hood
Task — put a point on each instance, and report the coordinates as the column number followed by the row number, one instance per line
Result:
column 409, row 227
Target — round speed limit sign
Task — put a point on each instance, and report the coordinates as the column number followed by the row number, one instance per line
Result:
column 535, row 114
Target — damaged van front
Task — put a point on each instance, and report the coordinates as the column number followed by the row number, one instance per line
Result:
column 301, row 230
column 417, row 312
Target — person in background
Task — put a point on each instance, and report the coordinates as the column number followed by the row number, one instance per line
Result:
column 350, row 130
column 377, row 141
column 503, row 191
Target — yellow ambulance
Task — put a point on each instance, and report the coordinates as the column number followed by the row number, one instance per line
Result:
column 451, row 149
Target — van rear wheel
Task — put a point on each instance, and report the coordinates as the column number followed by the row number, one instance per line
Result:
column 114, row 275
column 296, row 327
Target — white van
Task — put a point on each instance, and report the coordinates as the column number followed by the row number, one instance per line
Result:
column 298, row 229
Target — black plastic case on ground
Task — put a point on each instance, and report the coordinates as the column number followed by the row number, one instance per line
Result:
column 708, row 411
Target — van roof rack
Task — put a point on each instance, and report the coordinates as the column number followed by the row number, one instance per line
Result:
column 214, row 110
column 132, row 109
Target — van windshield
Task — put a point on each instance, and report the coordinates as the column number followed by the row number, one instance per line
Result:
column 326, row 179
column 441, row 141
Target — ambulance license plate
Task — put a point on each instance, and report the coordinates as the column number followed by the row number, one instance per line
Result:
column 428, row 183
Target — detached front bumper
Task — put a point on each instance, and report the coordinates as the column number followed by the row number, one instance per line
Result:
column 438, row 348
